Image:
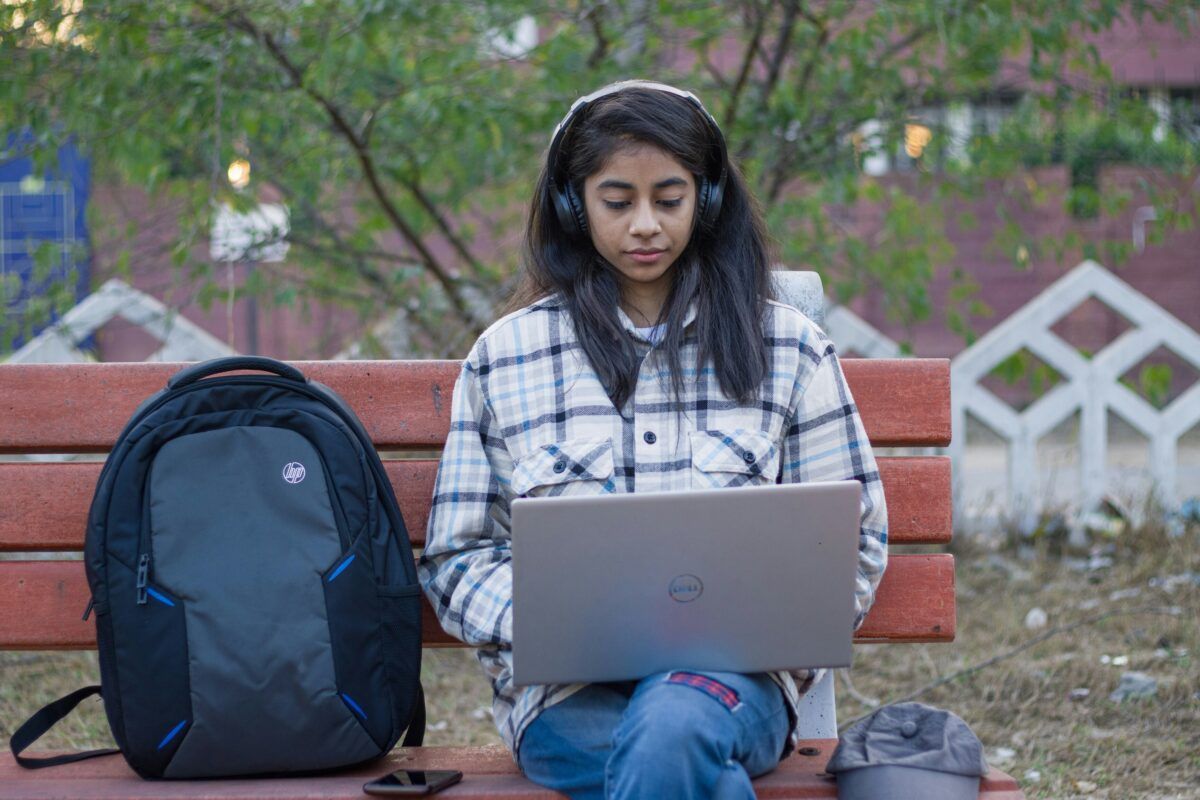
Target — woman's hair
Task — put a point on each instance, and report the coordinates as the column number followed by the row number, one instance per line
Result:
column 724, row 268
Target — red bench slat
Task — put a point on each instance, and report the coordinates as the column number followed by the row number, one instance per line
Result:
column 53, row 408
column 919, row 498
column 54, row 500
column 41, row 603
column 490, row 772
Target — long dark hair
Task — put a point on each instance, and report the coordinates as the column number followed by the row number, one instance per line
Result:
column 724, row 268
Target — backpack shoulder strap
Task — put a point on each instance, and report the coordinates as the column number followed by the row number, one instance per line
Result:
column 415, row 735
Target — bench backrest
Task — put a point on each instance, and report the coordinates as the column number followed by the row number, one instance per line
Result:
column 405, row 406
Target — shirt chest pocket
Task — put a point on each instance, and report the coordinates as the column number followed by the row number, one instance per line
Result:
column 726, row 458
column 575, row 466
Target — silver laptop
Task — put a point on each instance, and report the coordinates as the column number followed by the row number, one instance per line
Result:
column 617, row 587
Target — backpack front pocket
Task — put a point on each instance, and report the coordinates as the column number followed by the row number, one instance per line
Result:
column 355, row 613
column 148, row 672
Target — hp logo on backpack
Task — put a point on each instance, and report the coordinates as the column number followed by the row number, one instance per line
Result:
column 293, row 472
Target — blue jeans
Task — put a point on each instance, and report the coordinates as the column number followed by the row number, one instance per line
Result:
column 671, row 735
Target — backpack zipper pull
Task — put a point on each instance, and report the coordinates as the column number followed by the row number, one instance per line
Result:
column 87, row 612
column 143, row 576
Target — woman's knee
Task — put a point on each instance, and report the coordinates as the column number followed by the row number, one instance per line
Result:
column 567, row 746
column 669, row 713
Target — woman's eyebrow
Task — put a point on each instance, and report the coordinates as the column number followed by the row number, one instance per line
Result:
column 613, row 183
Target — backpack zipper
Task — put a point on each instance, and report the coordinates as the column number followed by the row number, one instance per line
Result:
column 144, row 546
column 143, row 576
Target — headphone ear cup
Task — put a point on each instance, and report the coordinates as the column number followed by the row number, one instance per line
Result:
column 569, row 210
column 710, row 195
column 703, row 198
column 578, row 211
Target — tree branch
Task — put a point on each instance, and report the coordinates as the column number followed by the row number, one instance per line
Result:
column 783, row 169
column 712, row 70
column 779, row 52
column 592, row 15
column 449, row 283
column 823, row 37
column 775, row 65
column 338, row 252
column 778, row 171
column 414, row 185
column 760, row 19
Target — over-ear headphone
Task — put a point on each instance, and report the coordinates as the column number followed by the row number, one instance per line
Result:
column 568, row 205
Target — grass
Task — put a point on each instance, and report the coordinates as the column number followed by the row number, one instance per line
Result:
column 1089, row 747
column 1060, row 747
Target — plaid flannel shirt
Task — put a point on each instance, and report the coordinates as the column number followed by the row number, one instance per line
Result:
column 526, row 400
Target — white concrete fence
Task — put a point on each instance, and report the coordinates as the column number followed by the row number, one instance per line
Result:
column 180, row 338
column 1090, row 387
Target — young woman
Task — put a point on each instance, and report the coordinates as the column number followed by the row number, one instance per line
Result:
column 648, row 356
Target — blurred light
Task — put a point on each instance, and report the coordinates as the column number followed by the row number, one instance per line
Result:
column 514, row 42
column 916, row 137
column 868, row 145
column 40, row 32
column 33, row 184
column 239, row 173
column 259, row 234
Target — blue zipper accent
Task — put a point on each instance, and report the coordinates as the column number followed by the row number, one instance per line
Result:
column 354, row 706
column 338, row 571
column 171, row 735
column 160, row 597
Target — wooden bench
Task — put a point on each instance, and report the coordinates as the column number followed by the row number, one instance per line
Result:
column 405, row 406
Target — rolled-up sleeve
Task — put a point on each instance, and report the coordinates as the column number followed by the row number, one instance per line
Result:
column 466, row 568
column 825, row 441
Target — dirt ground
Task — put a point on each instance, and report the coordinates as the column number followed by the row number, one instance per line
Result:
column 1044, row 713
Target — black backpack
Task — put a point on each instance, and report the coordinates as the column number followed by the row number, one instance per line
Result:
column 257, row 606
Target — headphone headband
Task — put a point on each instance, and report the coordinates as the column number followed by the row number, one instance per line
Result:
column 570, row 208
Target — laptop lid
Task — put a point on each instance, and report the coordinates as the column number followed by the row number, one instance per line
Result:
column 616, row 587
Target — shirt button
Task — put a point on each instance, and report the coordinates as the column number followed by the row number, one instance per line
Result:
column 649, row 437
column 748, row 458
column 559, row 466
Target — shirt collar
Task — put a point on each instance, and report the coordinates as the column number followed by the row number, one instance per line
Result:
column 627, row 323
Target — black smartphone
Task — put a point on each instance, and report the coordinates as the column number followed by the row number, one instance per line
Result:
column 413, row 782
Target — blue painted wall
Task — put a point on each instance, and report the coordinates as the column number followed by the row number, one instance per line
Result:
column 40, row 207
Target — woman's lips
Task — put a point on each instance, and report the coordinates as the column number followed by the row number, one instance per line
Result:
column 646, row 256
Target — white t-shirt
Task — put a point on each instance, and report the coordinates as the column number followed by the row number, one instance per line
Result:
column 654, row 333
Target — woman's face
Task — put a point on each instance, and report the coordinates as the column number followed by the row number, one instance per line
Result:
column 640, row 207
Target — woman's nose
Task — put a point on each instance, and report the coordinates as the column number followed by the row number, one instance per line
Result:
column 645, row 221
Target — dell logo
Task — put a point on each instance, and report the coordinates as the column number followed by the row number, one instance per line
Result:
column 685, row 588
column 293, row 472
